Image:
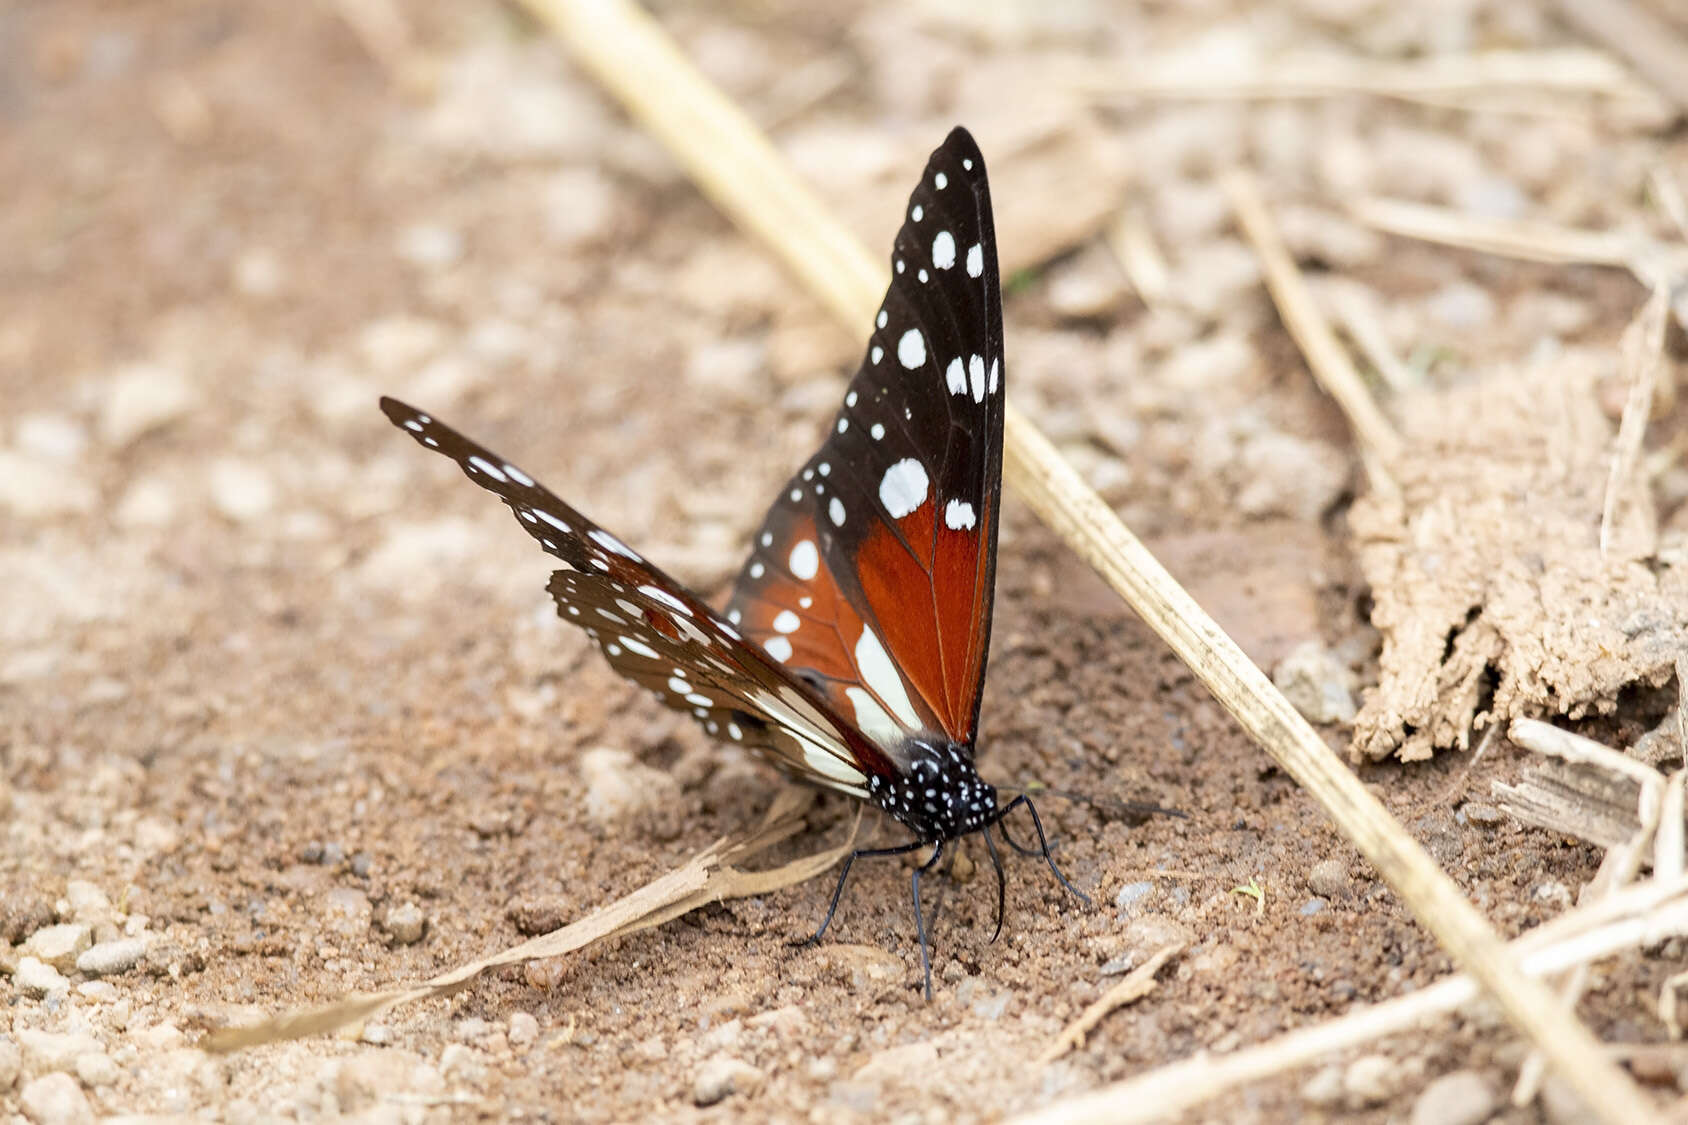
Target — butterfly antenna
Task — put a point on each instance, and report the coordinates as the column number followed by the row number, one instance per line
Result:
column 1112, row 806
column 919, row 924
column 1001, row 882
column 1042, row 840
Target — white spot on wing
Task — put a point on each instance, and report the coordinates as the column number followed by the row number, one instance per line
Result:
column 911, row 349
column 958, row 515
column 778, row 647
column 836, row 511
column 975, row 260
column 873, row 720
column 955, row 378
column 976, row 372
column 943, row 250
column 635, row 645
column 518, row 476
column 552, row 520
column 805, row 561
column 903, row 487
column 996, row 372
column 488, row 468
column 940, row 181
column 878, row 431
column 611, row 543
column 787, row 622
column 882, row 318
column 918, row 213
column 881, row 677
column 877, row 354
column 665, row 598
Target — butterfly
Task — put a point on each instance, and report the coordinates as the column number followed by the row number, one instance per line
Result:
column 851, row 653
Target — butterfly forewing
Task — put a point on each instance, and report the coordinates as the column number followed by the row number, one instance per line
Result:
column 889, row 531
column 656, row 632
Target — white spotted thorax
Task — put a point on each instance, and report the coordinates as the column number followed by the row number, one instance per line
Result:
column 941, row 797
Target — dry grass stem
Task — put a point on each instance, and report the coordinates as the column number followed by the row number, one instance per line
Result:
column 1301, row 315
column 1357, row 310
column 1458, row 81
column 739, row 169
column 1138, row 983
column 1655, row 263
column 707, row 877
column 1133, row 245
column 1652, row 45
column 1643, row 353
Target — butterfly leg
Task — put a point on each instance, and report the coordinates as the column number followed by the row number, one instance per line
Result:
column 838, row 891
column 919, row 924
column 1002, row 827
column 1043, row 842
column 1001, row 882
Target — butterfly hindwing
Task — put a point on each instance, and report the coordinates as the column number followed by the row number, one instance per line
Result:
column 890, row 529
column 656, row 632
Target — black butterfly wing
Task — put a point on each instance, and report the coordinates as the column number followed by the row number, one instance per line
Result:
column 656, row 632
column 873, row 573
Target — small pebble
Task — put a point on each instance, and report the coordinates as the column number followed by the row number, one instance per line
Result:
column 35, row 977
column 428, row 246
column 1329, row 879
column 361, row 865
column 96, row 1069
column 1313, row 906
column 1370, row 1079
column 111, row 957
column 406, row 923
column 1317, row 683
column 11, row 1064
column 524, row 1029
column 55, row 1099
column 1131, row 893
column 1324, row 1088
column 141, row 398
column 241, row 491
column 1462, row 1097
column 723, row 1076
column 88, row 904
column 1478, row 812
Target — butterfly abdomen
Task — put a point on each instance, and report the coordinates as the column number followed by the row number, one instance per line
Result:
column 940, row 796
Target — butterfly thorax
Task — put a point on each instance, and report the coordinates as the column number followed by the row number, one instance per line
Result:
column 941, row 796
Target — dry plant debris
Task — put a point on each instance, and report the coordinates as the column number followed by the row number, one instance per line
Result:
column 1490, row 588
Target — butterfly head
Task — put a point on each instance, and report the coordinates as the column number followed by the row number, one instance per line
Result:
column 940, row 796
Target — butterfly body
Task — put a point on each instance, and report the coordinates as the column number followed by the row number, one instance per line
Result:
column 851, row 652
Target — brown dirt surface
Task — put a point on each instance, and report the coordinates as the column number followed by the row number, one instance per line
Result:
column 285, row 706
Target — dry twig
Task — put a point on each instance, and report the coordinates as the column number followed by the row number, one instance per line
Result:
column 1643, row 354
column 1139, row 983
column 1312, row 332
column 1459, row 81
column 1650, row 44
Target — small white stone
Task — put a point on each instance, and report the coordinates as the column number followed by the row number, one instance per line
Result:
column 59, row 945
column 257, row 273
column 55, row 1099
column 1370, row 1079
column 240, row 490
column 111, row 957
column 524, row 1029
column 35, row 977
column 52, row 436
column 429, row 246
column 141, row 398
column 723, row 1076
column 88, row 904
column 96, row 1069
column 1462, row 1097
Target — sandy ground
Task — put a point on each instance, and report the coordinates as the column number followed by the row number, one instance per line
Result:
column 286, row 711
